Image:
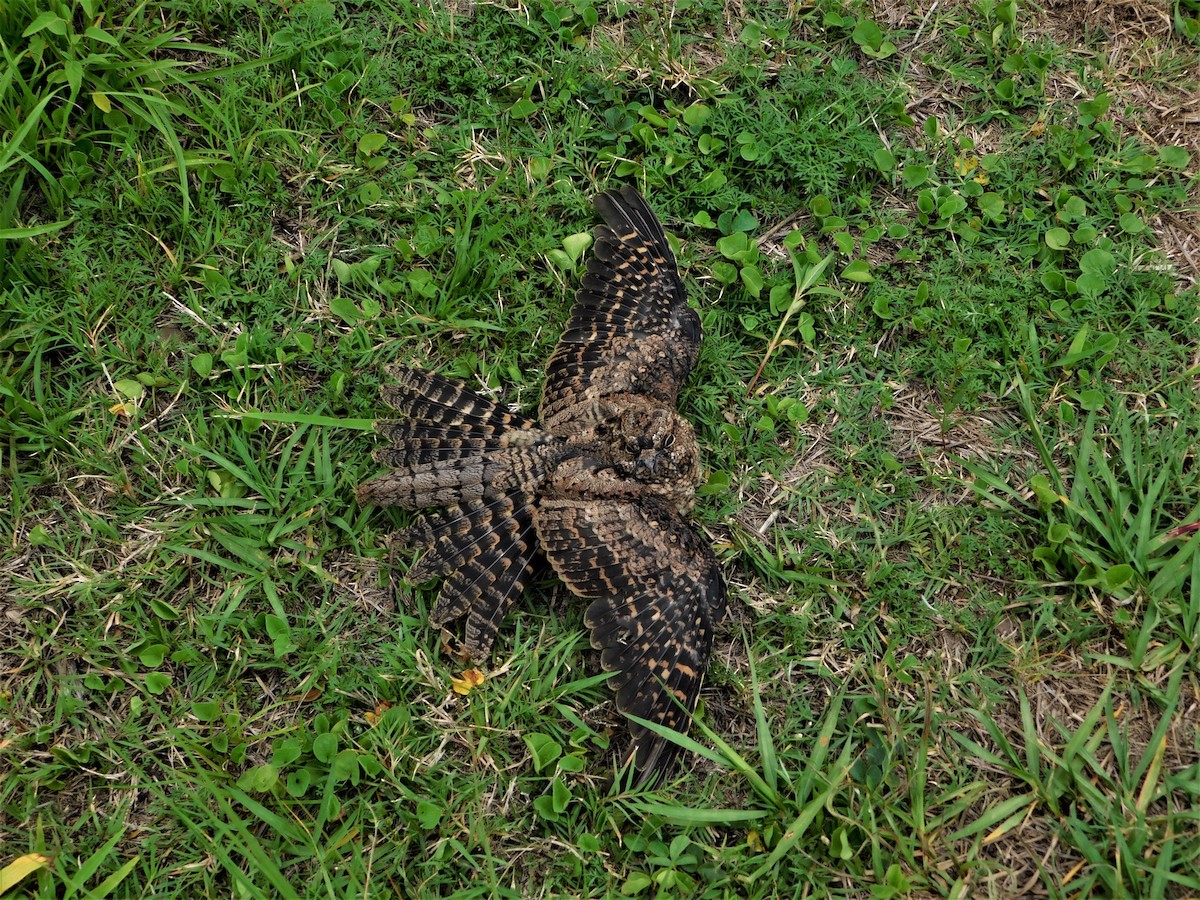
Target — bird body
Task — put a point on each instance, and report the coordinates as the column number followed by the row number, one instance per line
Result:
column 597, row 488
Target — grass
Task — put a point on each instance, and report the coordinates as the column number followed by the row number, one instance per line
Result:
column 945, row 261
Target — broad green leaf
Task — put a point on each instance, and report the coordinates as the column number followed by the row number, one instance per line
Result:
column 325, row 747
column 577, row 244
column 344, row 766
column 429, row 814
column 153, row 655
column 287, row 752
column 96, row 33
column 163, row 610
column 1058, row 238
column 370, row 193
column 523, row 108
column 712, row 182
column 259, row 779
column 1131, row 223
column 734, row 246
column 913, row 176
column 725, row 273
column 343, row 307
column 696, row 115
column 298, row 782
column 1174, row 157
column 560, row 795
column 543, row 748
column 867, row 34
column 73, row 69
column 753, row 280
column 1117, row 576
column 277, row 627
column 372, row 143
column 636, row 884
column 859, row 270
column 130, row 388
column 1100, row 263
column 47, row 21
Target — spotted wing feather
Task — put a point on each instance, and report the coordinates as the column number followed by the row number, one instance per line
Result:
column 443, row 420
column 631, row 330
column 656, row 593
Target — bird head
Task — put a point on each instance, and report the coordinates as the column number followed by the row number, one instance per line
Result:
column 656, row 445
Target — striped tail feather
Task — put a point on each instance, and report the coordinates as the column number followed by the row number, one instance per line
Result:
column 436, row 400
column 488, row 551
column 483, row 464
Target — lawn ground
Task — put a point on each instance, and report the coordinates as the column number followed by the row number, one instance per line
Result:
column 945, row 254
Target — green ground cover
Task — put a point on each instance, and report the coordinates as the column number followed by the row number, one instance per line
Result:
column 945, row 257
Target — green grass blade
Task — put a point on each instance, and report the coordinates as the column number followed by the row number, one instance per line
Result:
column 113, row 881
column 696, row 818
column 300, row 419
column 766, row 742
column 13, row 234
column 78, row 879
column 993, row 816
column 800, row 825
column 12, row 148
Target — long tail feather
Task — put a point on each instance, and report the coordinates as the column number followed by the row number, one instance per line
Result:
column 482, row 464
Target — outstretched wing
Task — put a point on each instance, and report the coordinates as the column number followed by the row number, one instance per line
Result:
column 631, row 331
column 657, row 595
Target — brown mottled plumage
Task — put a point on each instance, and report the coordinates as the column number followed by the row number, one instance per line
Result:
column 598, row 489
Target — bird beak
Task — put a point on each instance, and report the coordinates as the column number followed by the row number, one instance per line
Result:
column 646, row 463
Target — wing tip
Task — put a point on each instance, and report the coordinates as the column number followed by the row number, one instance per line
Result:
column 649, row 760
column 624, row 197
column 626, row 207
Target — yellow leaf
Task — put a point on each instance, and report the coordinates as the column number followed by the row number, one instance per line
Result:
column 467, row 681
column 21, row 867
column 122, row 409
column 965, row 165
column 374, row 717
column 102, row 101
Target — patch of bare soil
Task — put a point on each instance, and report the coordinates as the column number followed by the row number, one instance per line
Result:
column 358, row 581
column 1179, row 233
column 1070, row 21
column 922, row 428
